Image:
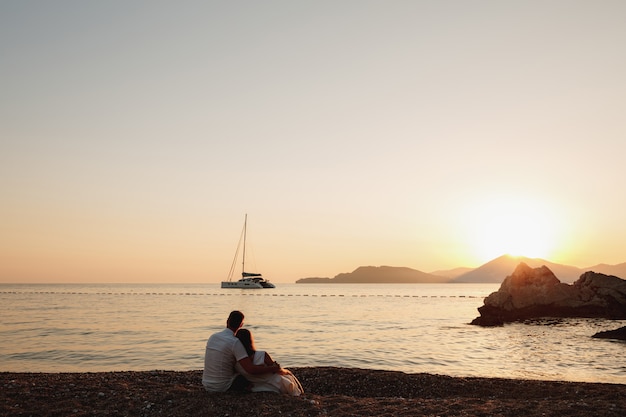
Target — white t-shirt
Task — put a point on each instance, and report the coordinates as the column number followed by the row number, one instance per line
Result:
column 223, row 351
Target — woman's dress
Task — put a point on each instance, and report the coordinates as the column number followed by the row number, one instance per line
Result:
column 285, row 384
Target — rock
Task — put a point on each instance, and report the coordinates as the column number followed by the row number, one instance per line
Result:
column 619, row 334
column 533, row 293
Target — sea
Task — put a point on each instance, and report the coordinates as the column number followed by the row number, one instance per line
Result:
column 414, row 328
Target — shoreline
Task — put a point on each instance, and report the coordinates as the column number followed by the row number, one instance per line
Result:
column 329, row 391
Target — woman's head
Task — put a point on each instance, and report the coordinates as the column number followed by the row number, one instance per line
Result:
column 246, row 340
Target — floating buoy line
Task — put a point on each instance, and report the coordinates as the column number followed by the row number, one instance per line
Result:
column 231, row 294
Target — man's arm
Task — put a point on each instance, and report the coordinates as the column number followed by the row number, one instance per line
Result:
column 268, row 359
column 252, row 369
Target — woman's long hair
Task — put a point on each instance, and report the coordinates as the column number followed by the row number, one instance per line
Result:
column 246, row 340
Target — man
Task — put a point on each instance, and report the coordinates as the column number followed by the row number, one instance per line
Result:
column 223, row 351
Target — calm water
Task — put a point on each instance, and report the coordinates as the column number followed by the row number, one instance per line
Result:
column 410, row 328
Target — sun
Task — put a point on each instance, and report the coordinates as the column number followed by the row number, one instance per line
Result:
column 513, row 226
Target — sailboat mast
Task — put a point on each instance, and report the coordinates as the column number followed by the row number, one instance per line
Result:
column 245, row 228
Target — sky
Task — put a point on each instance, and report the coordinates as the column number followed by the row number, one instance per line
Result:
column 136, row 135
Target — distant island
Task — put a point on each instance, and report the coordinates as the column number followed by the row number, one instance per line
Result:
column 494, row 271
column 379, row 274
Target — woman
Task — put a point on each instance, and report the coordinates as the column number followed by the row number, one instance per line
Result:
column 283, row 382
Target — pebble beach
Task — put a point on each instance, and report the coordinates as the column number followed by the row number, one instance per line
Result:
column 329, row 391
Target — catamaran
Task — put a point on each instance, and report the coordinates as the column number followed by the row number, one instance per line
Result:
column 248, row 279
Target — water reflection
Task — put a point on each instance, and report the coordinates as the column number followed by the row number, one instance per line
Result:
column 411, row 328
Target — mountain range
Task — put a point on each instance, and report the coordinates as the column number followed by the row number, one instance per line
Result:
column 494, row 271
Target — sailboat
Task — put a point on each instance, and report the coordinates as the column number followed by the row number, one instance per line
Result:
column 251, row 280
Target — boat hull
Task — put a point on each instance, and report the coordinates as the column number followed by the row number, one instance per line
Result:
column 237, row 284
column 251, row 283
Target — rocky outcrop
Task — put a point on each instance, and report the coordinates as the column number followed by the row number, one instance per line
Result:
column 619, row 334
column 533, row 293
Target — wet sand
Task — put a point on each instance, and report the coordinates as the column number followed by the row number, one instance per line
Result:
column 328, row 392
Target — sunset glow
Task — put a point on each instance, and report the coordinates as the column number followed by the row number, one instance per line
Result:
column 422, row 134
column 514, row 226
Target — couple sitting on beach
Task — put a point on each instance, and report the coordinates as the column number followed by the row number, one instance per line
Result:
column 232, row 363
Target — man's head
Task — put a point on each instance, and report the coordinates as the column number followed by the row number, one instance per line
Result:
column 235, row 320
